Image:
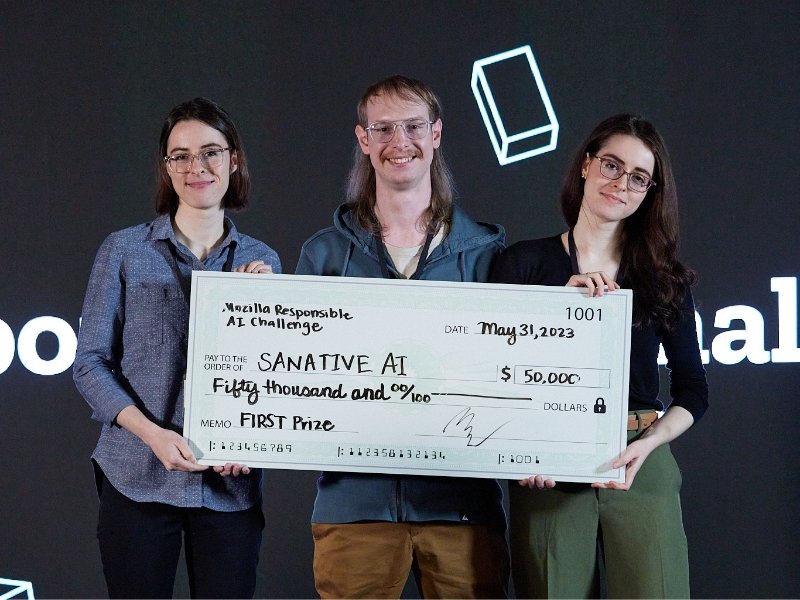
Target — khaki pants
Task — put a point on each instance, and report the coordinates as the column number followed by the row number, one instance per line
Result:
column 373, row 560
column 553, row 535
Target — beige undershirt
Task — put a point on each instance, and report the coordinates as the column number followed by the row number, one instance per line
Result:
column 405, row 260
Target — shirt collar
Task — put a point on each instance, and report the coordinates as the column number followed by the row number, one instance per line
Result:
column 161, row 229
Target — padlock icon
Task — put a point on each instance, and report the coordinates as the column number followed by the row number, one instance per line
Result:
column 600, row 406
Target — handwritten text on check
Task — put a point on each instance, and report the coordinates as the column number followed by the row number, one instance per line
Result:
column 431, row 378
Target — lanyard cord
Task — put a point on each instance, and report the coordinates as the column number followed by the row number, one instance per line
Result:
column 573, row 253
column 228, row 266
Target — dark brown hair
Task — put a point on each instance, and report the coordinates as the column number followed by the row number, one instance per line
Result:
column 361, row 184
column 213, row 115
column 650, row 235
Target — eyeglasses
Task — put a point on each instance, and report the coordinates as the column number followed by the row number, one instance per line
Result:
column 383, row 131
column 611, row 169
column 209, row 159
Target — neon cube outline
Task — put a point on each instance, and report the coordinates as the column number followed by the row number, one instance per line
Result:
column 16, row 589
column 480, row 84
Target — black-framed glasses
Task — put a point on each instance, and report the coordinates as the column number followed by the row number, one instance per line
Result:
column 611, row 169
column 383, row 131
column 209, row 159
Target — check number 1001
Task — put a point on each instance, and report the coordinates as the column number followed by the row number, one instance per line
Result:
column 580, row 313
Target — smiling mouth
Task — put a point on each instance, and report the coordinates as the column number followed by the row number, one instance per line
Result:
column 401, row 161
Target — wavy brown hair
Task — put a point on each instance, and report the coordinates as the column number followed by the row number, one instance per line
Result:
column 213, row 115
column 361, row 184
column 650, row 236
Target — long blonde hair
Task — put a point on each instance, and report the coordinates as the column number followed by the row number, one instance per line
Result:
column 361, row 184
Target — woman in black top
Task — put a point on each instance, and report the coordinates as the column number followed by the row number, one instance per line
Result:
column 620, row 204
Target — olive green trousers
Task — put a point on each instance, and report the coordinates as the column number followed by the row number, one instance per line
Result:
column 554, row 537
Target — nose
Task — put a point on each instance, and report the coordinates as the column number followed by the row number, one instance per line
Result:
column 399, row 135
column 195, row 160
column 622, row 182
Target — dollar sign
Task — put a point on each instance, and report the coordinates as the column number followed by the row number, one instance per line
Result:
column 506, row 373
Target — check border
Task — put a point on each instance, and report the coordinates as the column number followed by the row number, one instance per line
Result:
column 395, row 297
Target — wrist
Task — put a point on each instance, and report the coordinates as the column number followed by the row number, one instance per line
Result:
column 652, row 437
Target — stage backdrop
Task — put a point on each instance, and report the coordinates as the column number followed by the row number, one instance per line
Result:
column 83, row 91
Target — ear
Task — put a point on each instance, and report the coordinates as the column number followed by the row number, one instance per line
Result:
column 437, row 133
column 585, row 167
column 362, row 135
column 234, row 161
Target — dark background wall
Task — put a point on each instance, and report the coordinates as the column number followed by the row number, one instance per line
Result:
column 84, row 88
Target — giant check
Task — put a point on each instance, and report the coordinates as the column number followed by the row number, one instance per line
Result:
column 395, row 376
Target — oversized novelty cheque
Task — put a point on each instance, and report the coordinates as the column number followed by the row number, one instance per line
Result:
column 411, row 377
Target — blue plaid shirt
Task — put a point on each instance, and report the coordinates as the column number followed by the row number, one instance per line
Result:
column 132, row 351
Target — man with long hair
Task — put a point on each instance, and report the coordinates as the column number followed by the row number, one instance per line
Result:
column 400, row 222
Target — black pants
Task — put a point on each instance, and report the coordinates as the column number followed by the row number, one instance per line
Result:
column 140, row 543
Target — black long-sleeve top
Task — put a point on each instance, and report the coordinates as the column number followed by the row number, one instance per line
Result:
column 545, row 262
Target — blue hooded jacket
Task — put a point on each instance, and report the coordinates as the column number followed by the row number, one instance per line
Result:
column 466, row 254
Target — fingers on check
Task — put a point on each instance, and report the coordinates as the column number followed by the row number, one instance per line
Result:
column 610, row 283
column 543, row 483
column 224, row 470
column 259, row 266
column 538, row 482
column 234, row 469
column 595, row 283
column 254, row 266
column 598, row 283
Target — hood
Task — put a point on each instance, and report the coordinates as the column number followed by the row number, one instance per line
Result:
column 465, row 234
